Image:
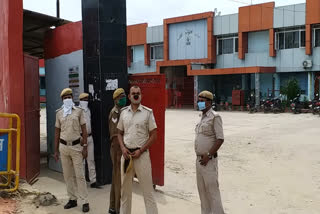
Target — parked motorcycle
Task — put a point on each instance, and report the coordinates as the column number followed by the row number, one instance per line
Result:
column 315, row 105
column 266, row 105
column 296, row 105
column 276, row 105
column 251, row 106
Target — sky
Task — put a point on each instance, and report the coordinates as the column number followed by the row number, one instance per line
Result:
column 151, row 11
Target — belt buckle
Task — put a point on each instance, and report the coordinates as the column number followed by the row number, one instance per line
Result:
column 69, row 143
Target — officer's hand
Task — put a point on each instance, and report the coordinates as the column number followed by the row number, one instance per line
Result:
column 136, row 154
column 204, row 160
column 84, row 152
column 56, row 156
column 125, row 153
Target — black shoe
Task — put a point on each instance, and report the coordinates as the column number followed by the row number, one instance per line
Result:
column 71, row 204
column 85, row 208
column 112, row 211
column 95, row 185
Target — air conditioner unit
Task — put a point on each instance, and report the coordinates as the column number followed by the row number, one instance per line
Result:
column 307, row 63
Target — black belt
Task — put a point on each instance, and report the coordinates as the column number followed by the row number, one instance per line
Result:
column 89, row 135
column 215, row 155
column 73, row 143
column 126, row 162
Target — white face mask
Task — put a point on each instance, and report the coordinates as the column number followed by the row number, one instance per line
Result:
column 67, row 107
column 68, row 103
column 84, row 104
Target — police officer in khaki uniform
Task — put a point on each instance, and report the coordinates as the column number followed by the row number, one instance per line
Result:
column 84, row 101
column 70, row 122
column 137, row 132
column 209, row 138
column 120, row 101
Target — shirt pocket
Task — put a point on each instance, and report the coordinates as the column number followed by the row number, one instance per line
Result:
column 207, row 129
column 142, row 128
column 75, row 123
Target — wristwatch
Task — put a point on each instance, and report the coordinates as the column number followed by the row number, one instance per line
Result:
column 209, row 155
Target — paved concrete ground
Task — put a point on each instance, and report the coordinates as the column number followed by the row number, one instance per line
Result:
column 269, row 164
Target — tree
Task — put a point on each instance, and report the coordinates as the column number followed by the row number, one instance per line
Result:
column 291, row 88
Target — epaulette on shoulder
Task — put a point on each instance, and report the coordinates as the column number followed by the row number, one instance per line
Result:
column 146, row 108
column 79, row 107
column 215, row 114
column 124, row 108
column 58, row 110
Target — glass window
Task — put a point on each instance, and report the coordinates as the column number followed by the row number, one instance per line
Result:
column 220, row 46
column 227, row 45
column 156, row 52
column 281, row 41
column 151, row 52
column 131, row 54
column 303, row 38
column 159, row 52
column 236, row 43
column 291, row 40
column 317, row 38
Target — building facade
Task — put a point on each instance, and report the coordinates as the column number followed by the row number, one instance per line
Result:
column 257, row 49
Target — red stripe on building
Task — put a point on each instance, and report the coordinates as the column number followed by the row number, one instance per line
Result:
column 63, row 40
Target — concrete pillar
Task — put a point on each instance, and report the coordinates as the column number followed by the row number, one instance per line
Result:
column 276, row 77
column 196, row 91
column 310, row 85
column 244, row 82
column 257, row 88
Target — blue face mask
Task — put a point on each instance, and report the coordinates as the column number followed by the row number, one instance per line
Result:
column 202, row 105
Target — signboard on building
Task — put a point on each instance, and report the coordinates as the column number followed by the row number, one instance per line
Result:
column 74, row 82
column 3, row 152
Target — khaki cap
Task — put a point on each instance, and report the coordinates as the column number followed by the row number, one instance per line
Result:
column 83, row 95
column 117, row 92
column 206, row 94
column 66, row 91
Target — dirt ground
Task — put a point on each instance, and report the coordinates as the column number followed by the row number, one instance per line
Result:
column 269, row 164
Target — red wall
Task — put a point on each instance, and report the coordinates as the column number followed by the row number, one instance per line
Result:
column 63, row 40
column 11, row 63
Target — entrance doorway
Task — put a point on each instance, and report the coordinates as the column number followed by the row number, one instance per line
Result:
column 179, row 87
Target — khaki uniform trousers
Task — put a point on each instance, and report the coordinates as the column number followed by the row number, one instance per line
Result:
column 90, row 161
column 115, row 193
column 72, row 166
column 142, row 168
column 208, row 187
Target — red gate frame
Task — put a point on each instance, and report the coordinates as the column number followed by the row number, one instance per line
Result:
column 154, row 97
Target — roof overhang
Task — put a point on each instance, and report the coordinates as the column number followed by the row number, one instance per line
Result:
column 35, row 26
column 228, row 71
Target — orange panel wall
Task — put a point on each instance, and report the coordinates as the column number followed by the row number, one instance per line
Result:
column 137, row 34
column 308, row 40
column 313, row 12
column 272, row 51
column 254, row 18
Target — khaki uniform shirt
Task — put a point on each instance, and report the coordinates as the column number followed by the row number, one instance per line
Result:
column 136, row 126
column 70, row 125
column 113, row 122
column 208, row 130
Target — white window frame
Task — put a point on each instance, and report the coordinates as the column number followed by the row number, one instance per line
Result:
column 314, row 37
column 152, row 46
column 284, row 42
column 234, row 44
